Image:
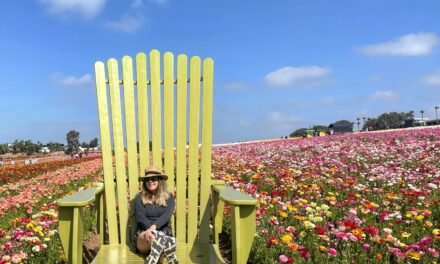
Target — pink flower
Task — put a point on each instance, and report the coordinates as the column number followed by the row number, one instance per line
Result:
column 280, row 229
column 9, row 245
column 332, row 251
column 283, row 259
column 433, row 252
column 366, row 246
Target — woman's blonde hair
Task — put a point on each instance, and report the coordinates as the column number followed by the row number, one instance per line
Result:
column 161, row 196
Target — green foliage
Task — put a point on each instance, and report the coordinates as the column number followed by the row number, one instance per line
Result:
column 388, row 121
column 93, row 143
column 342, row 123
column 72, row 139
column 28, row 147
column 298, row 133
column 4, row 149
column 320, row 128
column 55, row 146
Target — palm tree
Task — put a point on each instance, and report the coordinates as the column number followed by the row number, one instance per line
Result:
column 421, row 112
column 436, row 117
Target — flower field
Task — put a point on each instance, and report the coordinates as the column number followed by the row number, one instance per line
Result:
column 28, row 214
column 360, row 198
column 19, row 172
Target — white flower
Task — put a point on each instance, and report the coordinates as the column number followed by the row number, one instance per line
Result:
column 36, row 249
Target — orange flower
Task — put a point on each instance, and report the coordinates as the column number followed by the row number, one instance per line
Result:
column 379, row 256
column 357, row 232
column 293, row 246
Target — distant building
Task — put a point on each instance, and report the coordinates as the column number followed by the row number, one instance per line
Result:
column 44, row 150
column 413, row 122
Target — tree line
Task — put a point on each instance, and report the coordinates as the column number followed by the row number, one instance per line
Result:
column 384, row 121
column 28, row 147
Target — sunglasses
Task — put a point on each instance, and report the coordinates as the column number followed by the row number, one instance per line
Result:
column 153, row 179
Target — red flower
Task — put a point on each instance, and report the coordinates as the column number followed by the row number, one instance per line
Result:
column 371, row 230
column 350, row 224
column 319, row 230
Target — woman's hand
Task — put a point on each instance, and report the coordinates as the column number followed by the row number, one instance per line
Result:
column 148, row 234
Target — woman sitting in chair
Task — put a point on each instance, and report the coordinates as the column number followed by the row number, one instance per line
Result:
column 154, row 206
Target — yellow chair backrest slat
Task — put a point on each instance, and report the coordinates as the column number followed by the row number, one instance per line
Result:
column 162, row 112
column 182, row 78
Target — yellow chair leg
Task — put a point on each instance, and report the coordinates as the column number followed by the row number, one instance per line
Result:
column 243, row 232
column 71, row 230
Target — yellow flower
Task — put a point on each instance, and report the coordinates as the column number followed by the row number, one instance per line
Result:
column 408, row 215
column 283, row 214
column 38, row 229
column 292, row 208
column 318, row 219
column 323, row 249
column 286, row 239
column 328, row 214
column 324, row 207
column 303, row 234
column 414, row 255
column 436, row 233
column 30, row 225
column 406, row 235
column 313, row 204
column 309, row 209
column 309, row 225
column 419, row 217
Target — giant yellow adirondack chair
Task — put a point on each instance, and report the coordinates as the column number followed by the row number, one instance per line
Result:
column 149, row 107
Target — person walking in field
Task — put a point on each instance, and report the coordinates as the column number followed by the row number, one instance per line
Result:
column 154, row 206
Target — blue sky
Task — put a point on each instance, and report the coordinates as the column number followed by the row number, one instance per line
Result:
column 279, row 65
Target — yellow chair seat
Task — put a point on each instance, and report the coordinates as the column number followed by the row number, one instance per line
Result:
column 115, row 254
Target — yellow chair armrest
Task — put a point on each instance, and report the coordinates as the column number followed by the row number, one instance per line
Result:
column 231, row 196
column 81, row 198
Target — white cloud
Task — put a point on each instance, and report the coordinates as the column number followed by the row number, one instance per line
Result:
column 432, row 79
column 279, row 118
column 328, row 100
column 136, row 3
column 235, row 86
column 384, row 95
column 408, row 45
column 127, row 23
column 70, row 80
column 159, row 1
column 291, row 76
column 245, row 123
column 86, row 8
